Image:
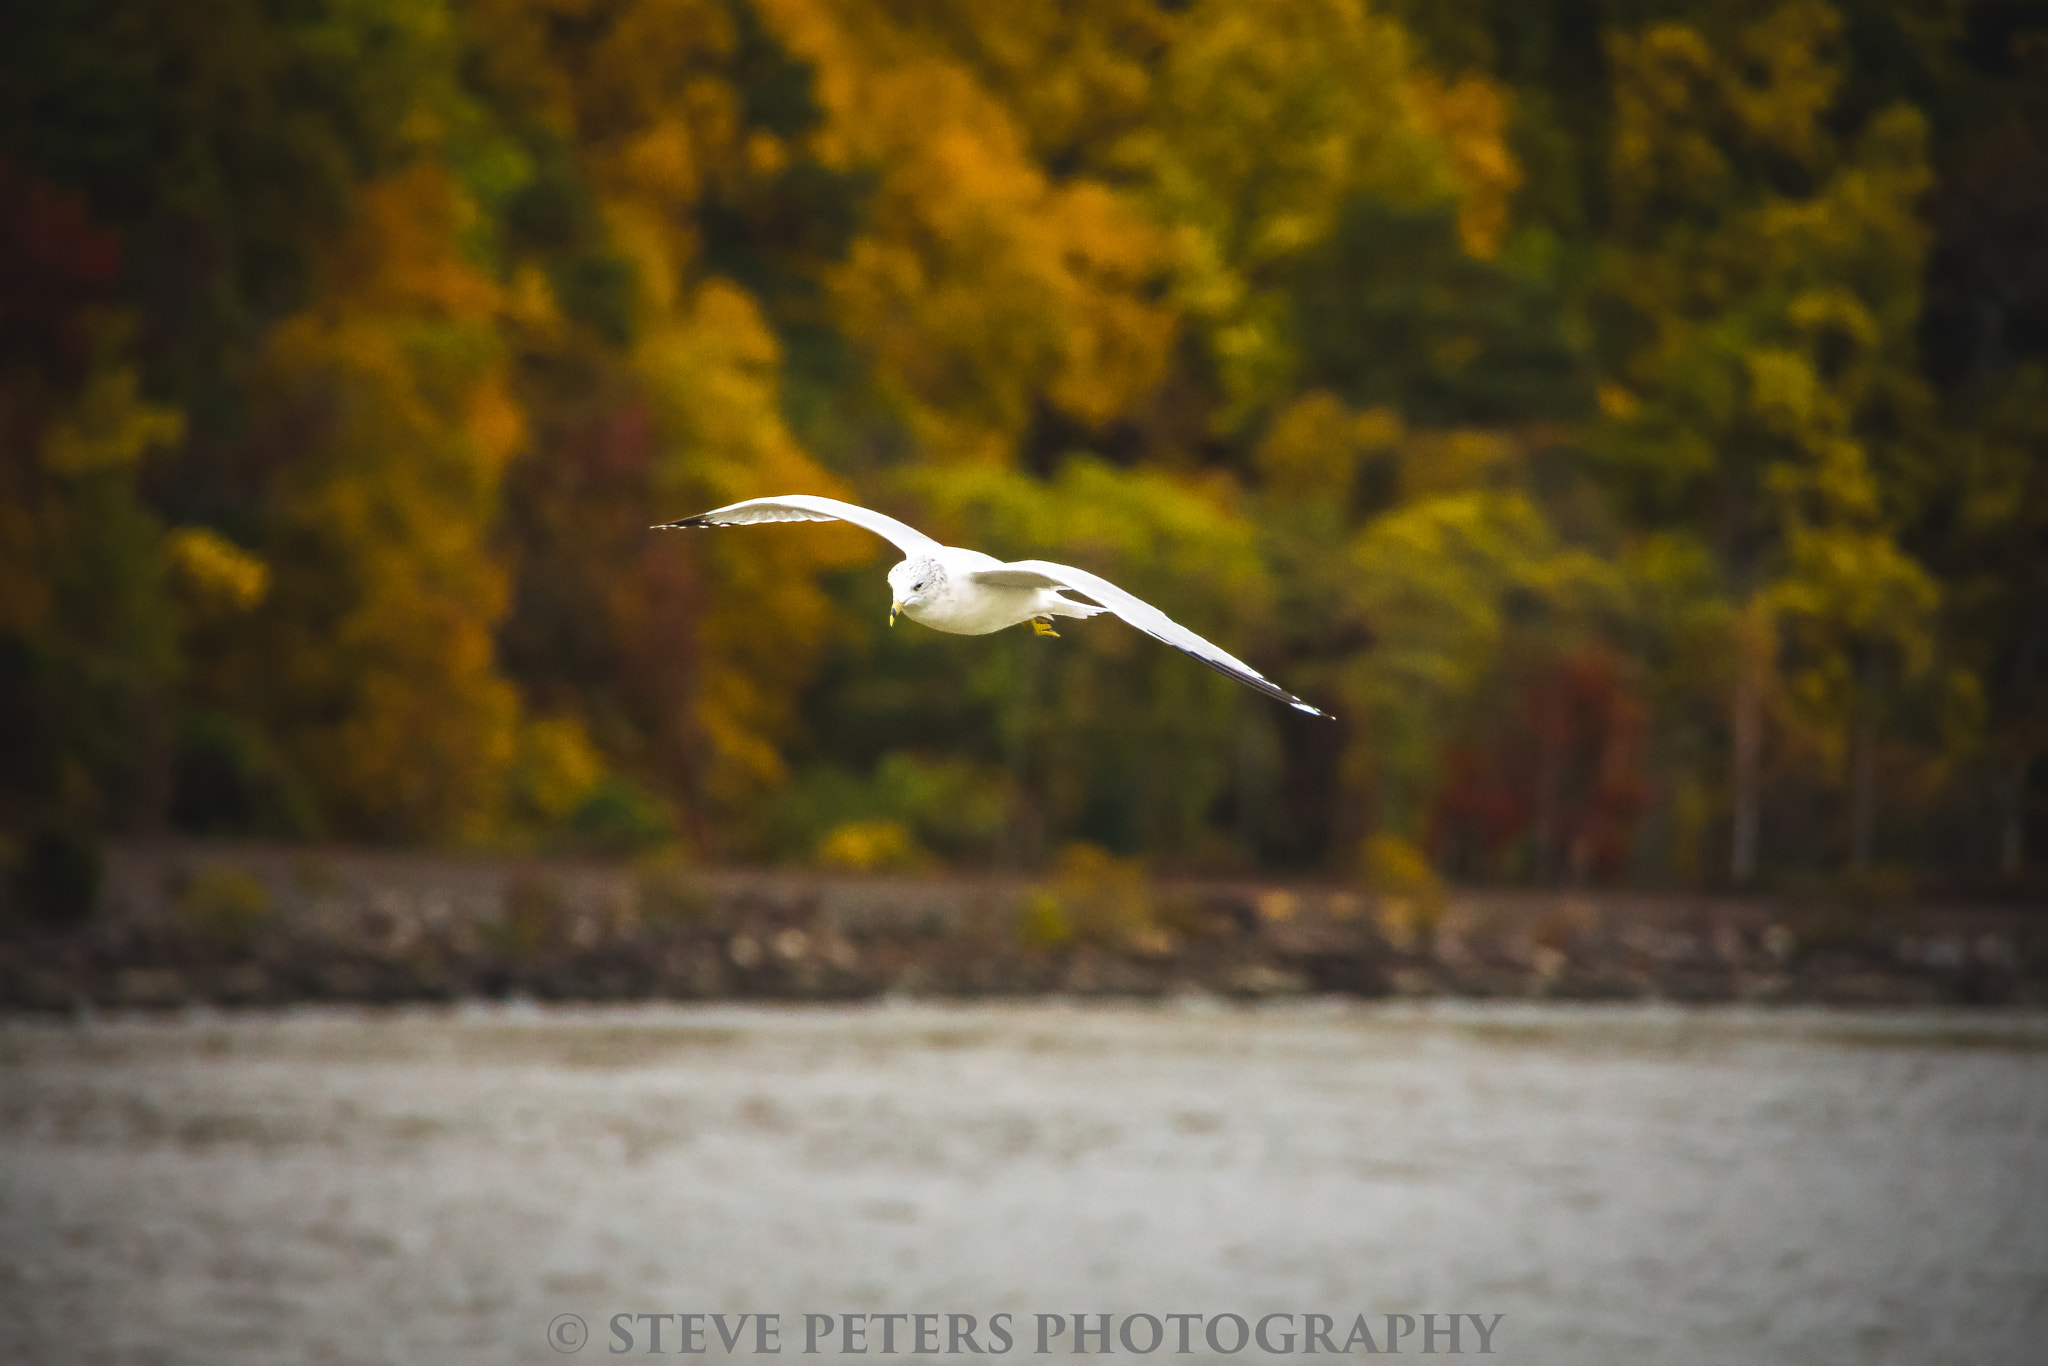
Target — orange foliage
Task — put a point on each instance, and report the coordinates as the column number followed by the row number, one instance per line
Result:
column 980, row 282
column 1471, row 116
column 374, row 655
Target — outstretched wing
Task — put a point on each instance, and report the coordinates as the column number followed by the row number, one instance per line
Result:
column 1139, row 613
column 806, row 507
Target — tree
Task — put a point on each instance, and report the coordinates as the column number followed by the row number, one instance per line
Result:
column 87, row 632
column 1759, row 295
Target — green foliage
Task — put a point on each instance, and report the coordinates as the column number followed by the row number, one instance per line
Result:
column 1106, row 736
column 87, row 631
column 227, row 782
column 618, row 816
column 950, row 807
column 1457, row 587
column 1272, row 117
column 1392, row 310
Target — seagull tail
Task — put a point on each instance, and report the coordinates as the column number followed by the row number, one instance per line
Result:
column 1076, row 608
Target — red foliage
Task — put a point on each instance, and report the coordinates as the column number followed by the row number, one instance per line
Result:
column 1564, row 773
column 55, row 262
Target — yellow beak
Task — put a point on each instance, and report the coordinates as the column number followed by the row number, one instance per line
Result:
column 894, row 608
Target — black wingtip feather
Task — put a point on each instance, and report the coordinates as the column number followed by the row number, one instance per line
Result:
column 1257, row 684
column 683, row 525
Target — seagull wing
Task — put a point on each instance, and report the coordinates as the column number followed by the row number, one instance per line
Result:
column 1139, row 613
column 806, row 507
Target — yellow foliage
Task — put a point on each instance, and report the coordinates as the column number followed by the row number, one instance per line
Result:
column 402, row 253
column 387, row 690
column 1075, row 75
column 871, row 846
column 110, row 427
column 1783, row 78
column 1314, row 446
column 557, row 766
column 1043, row 923
column 764, row 620
column 1094, row 896
column 1272, row 114
column 635, row 85
column 1786, row 393
column 979, row 283
column 1411, row 895
column 1862, row 585
column 1274, row 110
column 1177, row 542
column 218, row 571
column 1617, row 402
column 658, row 126
column 1677, row 100
column 1453, row 461
column 1471, row 116
column 1783, row 328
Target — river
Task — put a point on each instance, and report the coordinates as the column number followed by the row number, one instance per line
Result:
column 1587, row 1185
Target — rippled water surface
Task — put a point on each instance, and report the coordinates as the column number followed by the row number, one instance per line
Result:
column 1634, row 1185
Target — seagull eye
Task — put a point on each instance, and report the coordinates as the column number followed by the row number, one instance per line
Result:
column 917, row 588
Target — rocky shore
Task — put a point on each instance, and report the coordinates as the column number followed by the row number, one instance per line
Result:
column 245, row 926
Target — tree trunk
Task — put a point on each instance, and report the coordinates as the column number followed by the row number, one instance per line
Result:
column 2012, row 844
column 1544, row 822
column 1023, row 838
column 2019, row 685
column 1863, row 790
column 1863, row 769
column 149, row 812
column 1752, row 649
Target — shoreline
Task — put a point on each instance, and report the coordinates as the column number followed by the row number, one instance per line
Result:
column 249, row 926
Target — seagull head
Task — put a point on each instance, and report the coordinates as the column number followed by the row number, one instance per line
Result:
column 914, row 583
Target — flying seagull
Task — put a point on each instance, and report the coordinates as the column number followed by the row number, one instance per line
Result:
column 971, row 594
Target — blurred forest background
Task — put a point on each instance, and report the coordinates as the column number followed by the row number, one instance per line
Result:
column 1630, row 417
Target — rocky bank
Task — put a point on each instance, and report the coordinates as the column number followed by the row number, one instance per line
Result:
column 244, row 926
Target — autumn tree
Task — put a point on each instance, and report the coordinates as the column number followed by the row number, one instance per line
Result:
column 1760, row 291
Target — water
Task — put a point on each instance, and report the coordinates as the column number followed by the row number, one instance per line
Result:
column 1639, row 1185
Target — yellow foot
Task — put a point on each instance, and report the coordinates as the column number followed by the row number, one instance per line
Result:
column 1043, row 626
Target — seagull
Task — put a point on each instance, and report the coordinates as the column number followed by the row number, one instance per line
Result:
column 968, row 593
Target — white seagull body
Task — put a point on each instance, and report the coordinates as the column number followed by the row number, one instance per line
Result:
column 971, row 594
